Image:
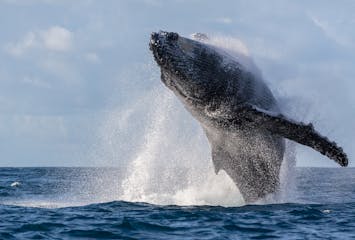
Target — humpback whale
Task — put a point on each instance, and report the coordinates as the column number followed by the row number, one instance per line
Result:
column 240, row 116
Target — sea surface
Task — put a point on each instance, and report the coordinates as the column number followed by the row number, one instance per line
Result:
column 79, row 203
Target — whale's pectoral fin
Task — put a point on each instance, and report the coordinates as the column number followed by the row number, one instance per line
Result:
column 297, row 131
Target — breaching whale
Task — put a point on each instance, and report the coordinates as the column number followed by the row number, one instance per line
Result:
column 237, row 111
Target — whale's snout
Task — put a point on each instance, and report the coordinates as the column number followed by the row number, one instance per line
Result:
column 171, row 36
column 154, row 37
column 164, row 36
column 179, row 58
column 161, row 38
column 163, row 45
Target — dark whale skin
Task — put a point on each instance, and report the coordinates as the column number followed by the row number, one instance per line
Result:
column 237, row 111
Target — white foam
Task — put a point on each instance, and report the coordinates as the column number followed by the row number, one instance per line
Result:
column 173, row 165
column 15, row 184
column 37, row 203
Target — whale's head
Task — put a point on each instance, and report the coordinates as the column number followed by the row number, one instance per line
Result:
column 191, row 69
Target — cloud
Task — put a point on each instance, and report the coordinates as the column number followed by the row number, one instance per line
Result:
column 224, row 20
column 36, row 82
column 40, row 127
column 19, row 48
column 48, row 2
column 55, row 38
column 65, row 71
column 155, row 3
column 36, row 128
column 92, row 57
column 329, row 31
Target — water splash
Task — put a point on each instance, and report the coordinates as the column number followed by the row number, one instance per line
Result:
column 173, row 165
column 164, row 155
column 15, row 184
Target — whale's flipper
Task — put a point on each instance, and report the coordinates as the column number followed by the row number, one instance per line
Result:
column 297, row 131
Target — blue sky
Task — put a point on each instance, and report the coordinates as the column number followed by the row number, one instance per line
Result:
column 68, row 66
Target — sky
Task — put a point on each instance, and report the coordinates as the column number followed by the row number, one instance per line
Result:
column 66, row 67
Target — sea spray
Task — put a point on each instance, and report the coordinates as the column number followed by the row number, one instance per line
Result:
column 163, row 154
column 173, row 165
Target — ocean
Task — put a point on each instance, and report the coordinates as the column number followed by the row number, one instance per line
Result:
column 80, row 203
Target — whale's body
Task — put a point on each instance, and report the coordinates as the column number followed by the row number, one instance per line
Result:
column 239, row 114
